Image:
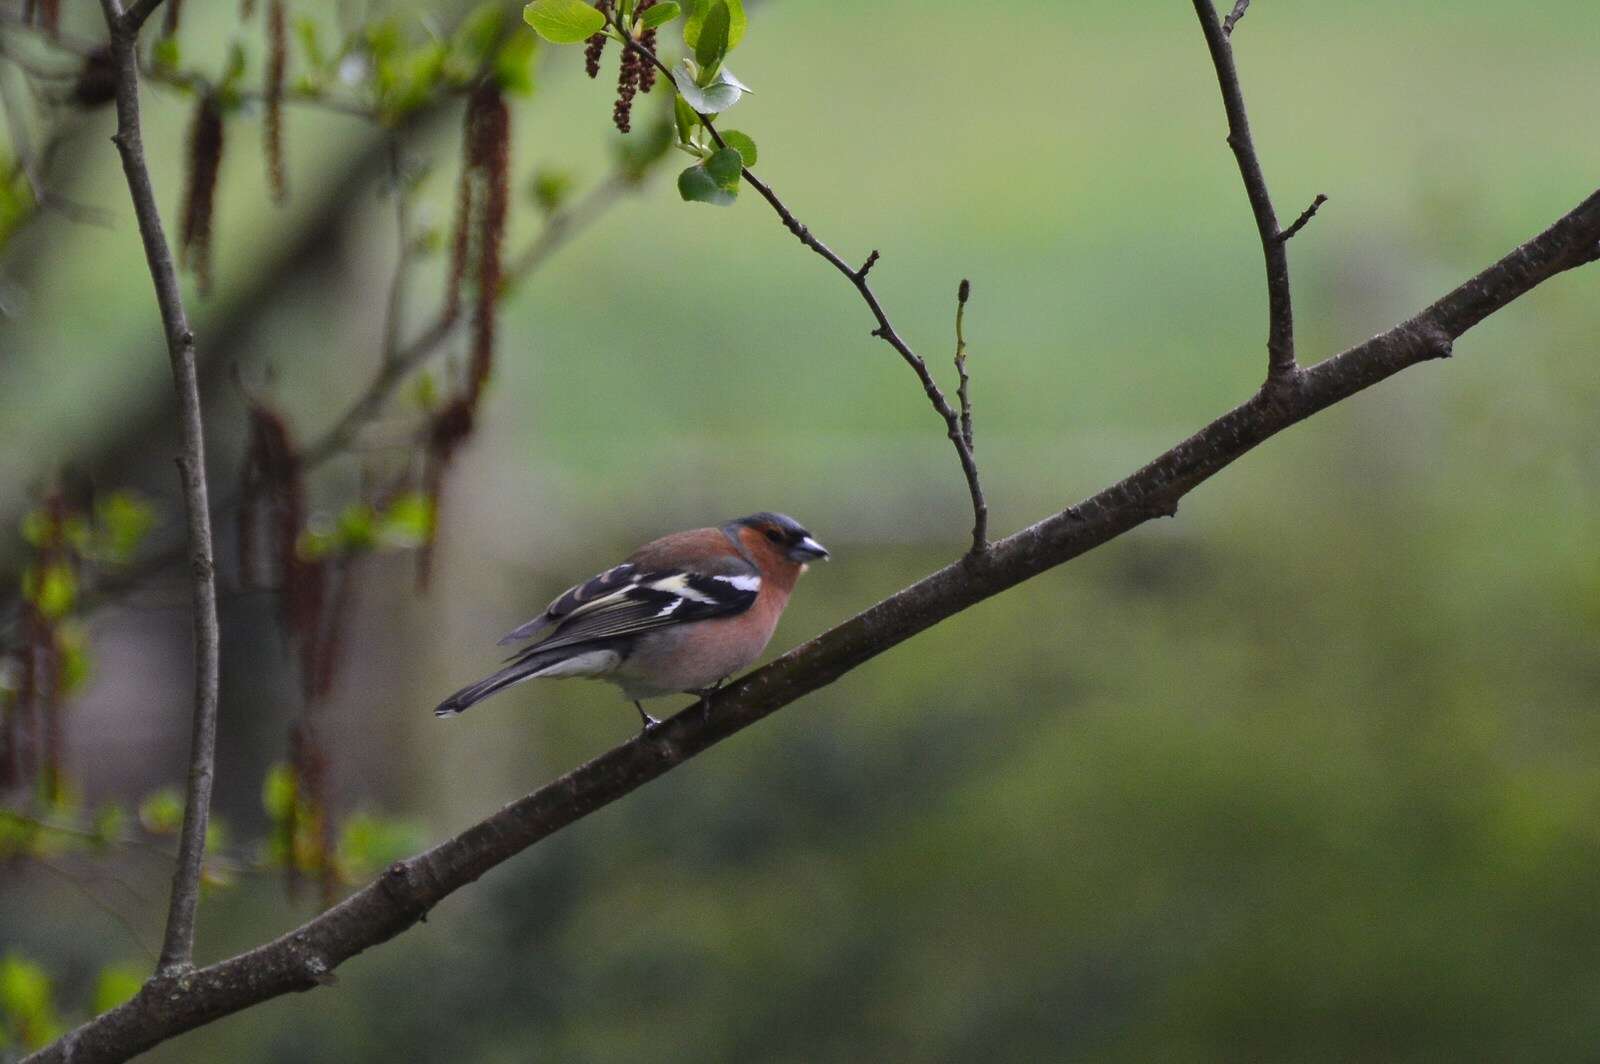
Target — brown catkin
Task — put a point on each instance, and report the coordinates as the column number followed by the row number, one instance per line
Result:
column 491, row 160
column 627, row 85
column 596, row 44
column 96, row 85
column 277, row 63
column 174, row 14
column 205, row 160
column 647, row 40
column 461, row 241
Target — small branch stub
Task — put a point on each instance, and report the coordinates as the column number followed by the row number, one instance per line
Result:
column 1300, row 222
column 1239, row 8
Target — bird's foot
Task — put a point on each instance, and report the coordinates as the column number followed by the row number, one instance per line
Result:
column 647, row 723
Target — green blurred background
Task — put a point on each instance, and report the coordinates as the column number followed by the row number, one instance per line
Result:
column 1307, row 774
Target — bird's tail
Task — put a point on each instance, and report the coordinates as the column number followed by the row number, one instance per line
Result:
column 523, row 668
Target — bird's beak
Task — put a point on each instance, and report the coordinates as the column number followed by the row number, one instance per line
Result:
column 807, row 550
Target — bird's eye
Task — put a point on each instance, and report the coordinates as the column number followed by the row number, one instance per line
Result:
column 774, row 535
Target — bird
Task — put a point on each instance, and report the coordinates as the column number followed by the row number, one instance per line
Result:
column 681, row 614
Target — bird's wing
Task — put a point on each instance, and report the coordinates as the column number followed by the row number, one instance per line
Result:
column 574, row 599
column 617, row 604
column 698, row 554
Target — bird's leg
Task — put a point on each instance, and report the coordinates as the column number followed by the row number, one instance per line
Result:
column 705, row 693
column 646, row 721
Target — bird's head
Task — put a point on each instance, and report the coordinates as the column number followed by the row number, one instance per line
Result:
column 777, row 536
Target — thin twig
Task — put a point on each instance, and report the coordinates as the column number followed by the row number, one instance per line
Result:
column 99, row 903
column 556, row 233
column 1239, row 8
column 1281, row 367
column 177, row 949
column 885, row 329
column 395, row 311
column 1305, row 216
column 963, row 293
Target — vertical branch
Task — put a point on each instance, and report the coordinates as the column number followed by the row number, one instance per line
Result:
column 1281, row 365
column 177, row 949
column 963, row 293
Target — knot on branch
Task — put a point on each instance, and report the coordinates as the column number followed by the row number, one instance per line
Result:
column 866, row 267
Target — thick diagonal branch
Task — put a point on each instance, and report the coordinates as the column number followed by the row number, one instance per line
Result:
column 177, row 950
column 302, row 959
column 1280, row 311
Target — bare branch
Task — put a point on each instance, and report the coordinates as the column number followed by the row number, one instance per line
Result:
column 556, row 233
column 177, row 950
column 1305, row 216
column 134, row 18
column 1239, row 8
column 1281, row 365
column 884, row 331
column 963, row 293
column 303, row 958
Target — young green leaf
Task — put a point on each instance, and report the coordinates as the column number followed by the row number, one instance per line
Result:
column 695, row 20
column 712, row 46
column 741, row 143
column 563, row 21
column 513, row 64
column 117, row 983
column 714, row 181
column 696, row 185
column 161, row 811
column 723, row 92
column 660, row 15
column 685, row 118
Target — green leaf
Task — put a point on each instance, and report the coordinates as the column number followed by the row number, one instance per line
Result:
column 358, row 529
column 52, row 591
column 314, row 545
column 550, row 188
column 660, row 15
column 563, row 21
column 166, row 55
column 278, row 792
column 408, row 522
column 117, row 983
column 478, row 31
column 366, row 843
column 513, row 64
column 123, row 519
column 723, row 92
column 741, row 143
column 712, row 46
column 310, row 42
column 687, row 121
column 107, row 823
column 235, row 68
column 695, row 20
column 26, row 1002
column 36, row 528
column 73, row 652
column 425, row 392
column 714, row 181
column 161, row 812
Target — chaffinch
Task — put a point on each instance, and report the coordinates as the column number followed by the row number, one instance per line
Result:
column 681, row 614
